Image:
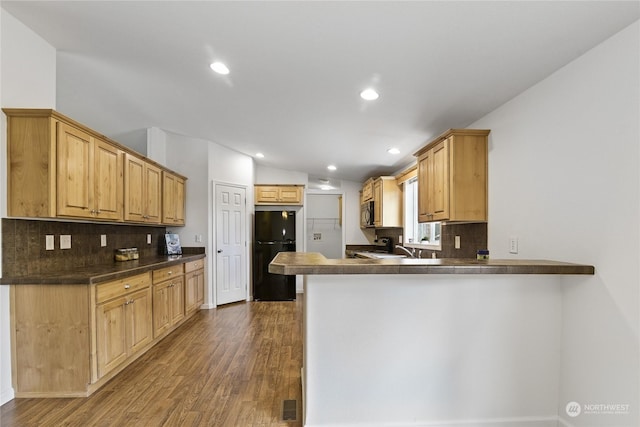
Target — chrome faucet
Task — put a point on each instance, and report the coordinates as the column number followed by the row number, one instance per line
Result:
column 411, row 253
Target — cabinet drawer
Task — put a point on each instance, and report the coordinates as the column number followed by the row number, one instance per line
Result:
column 193, row 265
column 116, row 288
column 167, row 273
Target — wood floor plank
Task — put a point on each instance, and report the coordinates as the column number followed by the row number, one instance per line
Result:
column 231, row 366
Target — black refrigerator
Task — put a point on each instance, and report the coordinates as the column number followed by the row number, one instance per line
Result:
column 275, row 231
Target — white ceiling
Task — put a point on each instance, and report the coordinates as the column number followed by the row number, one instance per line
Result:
column 297, row 69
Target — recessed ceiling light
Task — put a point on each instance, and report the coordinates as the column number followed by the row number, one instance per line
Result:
column 219, row 68
column 369, row 94
column 260, row 155
column 331, row 167
column 393, row 151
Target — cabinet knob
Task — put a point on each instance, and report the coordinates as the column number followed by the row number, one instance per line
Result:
column 127, row 286
column 169, row 272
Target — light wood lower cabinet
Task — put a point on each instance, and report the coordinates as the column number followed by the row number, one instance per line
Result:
column 168, row 299
column 194, row 285
column 68, row 340
column 123, row 328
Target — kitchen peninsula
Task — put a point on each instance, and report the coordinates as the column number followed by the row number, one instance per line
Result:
column 420, row 341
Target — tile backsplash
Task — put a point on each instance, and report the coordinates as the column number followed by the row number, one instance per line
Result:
column 24, row 251
column 473, row 236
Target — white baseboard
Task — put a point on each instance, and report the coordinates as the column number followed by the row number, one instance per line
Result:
column 207, row 306
column 564, row 423
column 6, row 395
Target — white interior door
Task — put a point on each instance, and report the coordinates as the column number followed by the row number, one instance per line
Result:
column 231, row 246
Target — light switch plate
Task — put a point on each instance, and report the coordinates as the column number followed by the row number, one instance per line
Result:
column 65, row 241
column 457, row 242
column 50, row 243
column 148, row 239
column 103, row 240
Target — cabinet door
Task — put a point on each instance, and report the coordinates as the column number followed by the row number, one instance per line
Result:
column 439, row 177
column 190, row 292
column 108, row 180
column 168, row 198
column 433, row 183
column 176, row 294
column 153, row 196
column 290, row 195
column 161, row 308
column 179, row 196
column 172, row 199
column 266, row 194
column 377, row 203
column 423, row 187
column 139, row 320
column 111, row 334
column 75, row 175
column 134, row 174
column 200, row 287
column 194, row 290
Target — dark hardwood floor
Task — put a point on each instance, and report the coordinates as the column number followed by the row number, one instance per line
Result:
column 230, row 366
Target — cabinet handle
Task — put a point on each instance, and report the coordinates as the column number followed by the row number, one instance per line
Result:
column 169, row 272
column 127, row 286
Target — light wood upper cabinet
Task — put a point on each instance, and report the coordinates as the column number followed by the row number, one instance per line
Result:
column 367, row 190
column 89, row 176
column 58, row 168
column 387, row 202
column 108, row 181
column 452, row 177
column 75, row 172
column 278, row 194
column 173, row 199
column 142, row 190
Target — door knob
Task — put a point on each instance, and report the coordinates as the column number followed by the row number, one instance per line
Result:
column 219, row 251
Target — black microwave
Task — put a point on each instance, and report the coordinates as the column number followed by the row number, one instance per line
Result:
column 366, row 214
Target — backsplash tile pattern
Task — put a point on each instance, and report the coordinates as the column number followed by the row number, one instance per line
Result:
column 473, row 236
column 24, row 252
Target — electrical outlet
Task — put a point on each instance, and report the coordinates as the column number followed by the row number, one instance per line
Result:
column 513, row 245
column 457, row 242
column 65, row 241
column 103, row 240
column 400, row 239
column 50, row 243
column 148, row 239
column 198, row 238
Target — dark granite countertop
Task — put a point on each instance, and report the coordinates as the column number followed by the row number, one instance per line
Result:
column 102, row 272
column 291, row 263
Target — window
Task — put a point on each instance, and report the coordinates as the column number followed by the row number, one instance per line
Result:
column 425, row 235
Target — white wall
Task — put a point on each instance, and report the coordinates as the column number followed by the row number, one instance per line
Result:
column 324, row 230
column 564, row 177
column 27, row 80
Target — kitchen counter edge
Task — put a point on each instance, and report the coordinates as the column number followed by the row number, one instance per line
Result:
column 100, row 273
column 292, row 263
